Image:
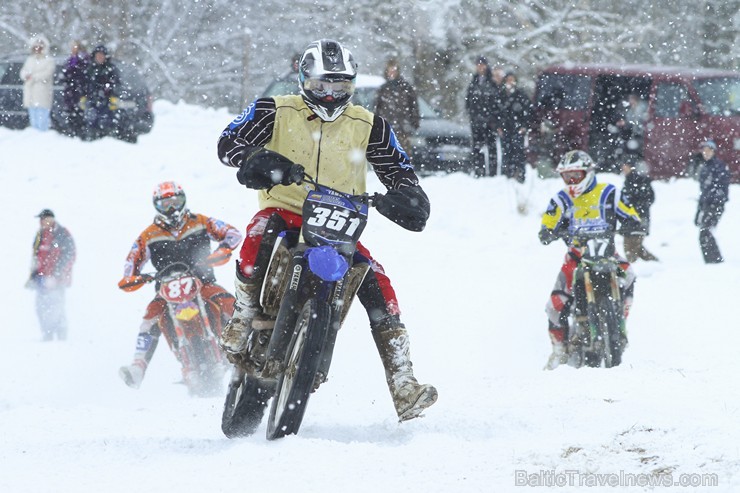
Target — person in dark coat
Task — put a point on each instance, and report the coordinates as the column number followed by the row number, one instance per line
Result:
column 51, row 273
column 74, row 80
column 637, row 192
column 398, row 104
column 101, row 95
column 515, row 114
column 480, row 103
column 714, row 183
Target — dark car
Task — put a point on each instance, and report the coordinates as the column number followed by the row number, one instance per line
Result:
column 133, row 117
column 438, row 145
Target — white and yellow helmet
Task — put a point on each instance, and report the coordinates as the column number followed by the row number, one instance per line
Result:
column 578, row 171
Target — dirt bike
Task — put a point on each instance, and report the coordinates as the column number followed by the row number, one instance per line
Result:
column 309, row 285
column 597, row 332
column 190, row 327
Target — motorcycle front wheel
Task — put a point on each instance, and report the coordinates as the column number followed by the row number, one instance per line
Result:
column 204, row 375
column 302, row 362
column 246, row 401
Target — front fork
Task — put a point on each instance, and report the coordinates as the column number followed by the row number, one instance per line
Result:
column 588, row 286
column 180, row 342
column 301, row 285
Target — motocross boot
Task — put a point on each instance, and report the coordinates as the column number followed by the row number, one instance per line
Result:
column 559, row 354
column 409, row 396
column 146, row 344
column 246, row 336
column 133, row 374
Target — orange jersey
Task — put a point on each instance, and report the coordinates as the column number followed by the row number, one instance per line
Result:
column 190, row 244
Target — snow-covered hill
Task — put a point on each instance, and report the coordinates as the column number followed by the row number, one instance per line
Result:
column 472, row 287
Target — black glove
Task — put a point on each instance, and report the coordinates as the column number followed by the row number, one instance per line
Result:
column 547, row 236
column 265, row 169
column 295, row 175
column 408, row 207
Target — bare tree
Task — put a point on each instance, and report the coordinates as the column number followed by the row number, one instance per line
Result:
column 199, row 52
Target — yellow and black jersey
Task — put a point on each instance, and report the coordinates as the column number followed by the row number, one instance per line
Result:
column 190, row 244
column 594, row 212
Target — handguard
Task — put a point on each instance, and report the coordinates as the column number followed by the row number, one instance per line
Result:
column 408, row 207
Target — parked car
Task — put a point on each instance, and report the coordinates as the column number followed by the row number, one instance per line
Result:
column 577, row 105
column 438, row 145
column 134, row 114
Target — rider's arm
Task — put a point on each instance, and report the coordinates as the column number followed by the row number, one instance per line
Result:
column 406, row 203
column 553, row 223
column 626, row 214
column 225, row 234
column 241, row 145
column 137, row 257
column 389, row 162
column 135, row 260
column 249, row 132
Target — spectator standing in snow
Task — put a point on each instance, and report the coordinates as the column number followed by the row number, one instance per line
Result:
column 515, row 113
column 637, row 192
column 74, row 80
column 397, row 103
column 714, row 183
column 480, row 102
column 51, row 274
column 632, row 126
column 37, row 74
column 101, row 97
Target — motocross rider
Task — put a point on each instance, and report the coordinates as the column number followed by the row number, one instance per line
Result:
column 584, row 206
column 270, row 143
column 177, row 235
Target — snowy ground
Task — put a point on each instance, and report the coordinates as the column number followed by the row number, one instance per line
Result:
column 472, row 287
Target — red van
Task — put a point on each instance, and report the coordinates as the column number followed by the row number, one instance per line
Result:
column 579, row 107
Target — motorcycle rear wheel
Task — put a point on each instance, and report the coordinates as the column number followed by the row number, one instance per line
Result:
column 302, row 362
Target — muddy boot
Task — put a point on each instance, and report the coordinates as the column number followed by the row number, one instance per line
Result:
column 409, row 396
column 235, row 335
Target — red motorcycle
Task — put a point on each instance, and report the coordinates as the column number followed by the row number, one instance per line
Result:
column 191, row 325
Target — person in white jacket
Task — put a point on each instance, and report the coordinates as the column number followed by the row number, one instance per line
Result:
column 38, row 83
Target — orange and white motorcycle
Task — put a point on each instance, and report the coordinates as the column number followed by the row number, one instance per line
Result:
column 191, row 325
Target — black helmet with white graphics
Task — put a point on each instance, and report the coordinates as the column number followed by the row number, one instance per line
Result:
column 326, row 78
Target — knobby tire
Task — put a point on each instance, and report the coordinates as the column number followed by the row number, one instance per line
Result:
column 302, row 362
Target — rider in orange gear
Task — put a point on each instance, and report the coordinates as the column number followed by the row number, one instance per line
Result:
column 177, row 235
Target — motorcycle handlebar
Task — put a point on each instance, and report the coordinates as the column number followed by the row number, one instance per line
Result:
column 370, row 199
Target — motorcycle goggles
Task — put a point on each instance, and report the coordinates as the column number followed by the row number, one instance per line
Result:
column 168, row 205
column 573, row 177
column 329, row 90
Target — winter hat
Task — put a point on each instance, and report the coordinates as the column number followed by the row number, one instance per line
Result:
column 102, row 49
column 708, row 143
column 482, row 60
column 38, row 40
column 45, row 213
